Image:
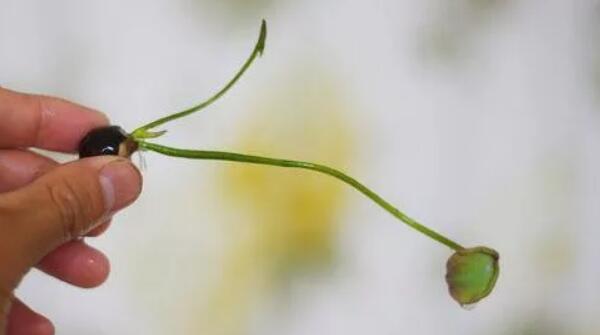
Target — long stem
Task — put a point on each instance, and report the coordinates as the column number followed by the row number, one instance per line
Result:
column 236, row 157
column 142, row 132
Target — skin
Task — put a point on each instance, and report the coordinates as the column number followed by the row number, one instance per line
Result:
column 47, row 208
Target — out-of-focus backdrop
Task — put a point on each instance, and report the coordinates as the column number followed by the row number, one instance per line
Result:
column 480, row 118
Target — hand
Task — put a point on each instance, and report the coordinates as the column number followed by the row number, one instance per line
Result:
column 45, row 207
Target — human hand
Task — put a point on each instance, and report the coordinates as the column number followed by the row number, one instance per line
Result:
column 45, row 207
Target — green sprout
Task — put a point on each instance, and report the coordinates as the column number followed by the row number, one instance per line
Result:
column 471, row 273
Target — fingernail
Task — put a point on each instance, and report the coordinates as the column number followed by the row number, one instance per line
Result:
column 121, row 183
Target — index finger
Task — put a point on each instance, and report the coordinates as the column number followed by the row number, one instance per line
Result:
column 29, row 120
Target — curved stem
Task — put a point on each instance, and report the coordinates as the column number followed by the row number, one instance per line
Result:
column 142, row 132
column 236, row 157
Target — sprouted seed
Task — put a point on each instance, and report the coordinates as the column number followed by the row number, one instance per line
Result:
column 111, row 140
column 471, row 272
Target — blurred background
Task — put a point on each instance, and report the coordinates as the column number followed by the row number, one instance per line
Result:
column 480, row 118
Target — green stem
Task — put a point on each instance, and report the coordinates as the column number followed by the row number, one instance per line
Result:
column 236, row 157
column 142, row 132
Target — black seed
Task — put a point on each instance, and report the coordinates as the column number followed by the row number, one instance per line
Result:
column 102, row 141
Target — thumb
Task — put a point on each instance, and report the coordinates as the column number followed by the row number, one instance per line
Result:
column 62, row 205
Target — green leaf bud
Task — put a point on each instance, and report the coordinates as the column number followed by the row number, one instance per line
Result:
column 471, row 274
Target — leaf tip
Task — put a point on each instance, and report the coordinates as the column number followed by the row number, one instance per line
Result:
column 260, row 45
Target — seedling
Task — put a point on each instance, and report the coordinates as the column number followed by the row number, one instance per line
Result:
column 471, row 272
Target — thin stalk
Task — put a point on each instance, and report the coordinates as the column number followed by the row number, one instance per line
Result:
column 236, row 157
column 142, row 132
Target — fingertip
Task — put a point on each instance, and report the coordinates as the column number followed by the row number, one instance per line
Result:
column 78, row 264
column 99, row 230
column 121, row 183
column 42, row 327
column 65, row 123
column 103, row 118
column 24, row 321
column 93, row 271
